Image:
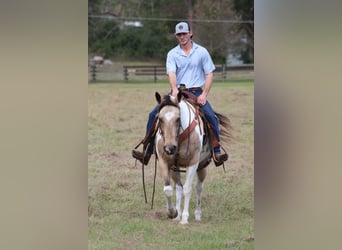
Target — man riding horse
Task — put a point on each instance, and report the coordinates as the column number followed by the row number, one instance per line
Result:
column 189, row 67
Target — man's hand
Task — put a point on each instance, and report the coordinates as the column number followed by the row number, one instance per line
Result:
column 202, row 99
column 174, row 92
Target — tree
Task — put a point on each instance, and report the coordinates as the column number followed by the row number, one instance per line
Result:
column 110, row 36
column 214, row 35
column 245, row 11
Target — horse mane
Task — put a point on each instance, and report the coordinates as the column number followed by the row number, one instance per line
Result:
column 166, row 101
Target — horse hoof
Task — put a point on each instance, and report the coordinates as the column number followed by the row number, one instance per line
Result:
column 184, row 222
column 172, row 214
column 198, row 216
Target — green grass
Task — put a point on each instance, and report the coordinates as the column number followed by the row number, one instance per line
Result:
column 118, row 215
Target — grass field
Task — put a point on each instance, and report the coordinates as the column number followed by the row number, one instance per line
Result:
column 118, row 215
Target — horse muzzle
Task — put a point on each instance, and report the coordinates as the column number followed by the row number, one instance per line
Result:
column 170, row 149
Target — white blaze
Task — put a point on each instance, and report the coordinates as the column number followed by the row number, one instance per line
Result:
column 169, row 115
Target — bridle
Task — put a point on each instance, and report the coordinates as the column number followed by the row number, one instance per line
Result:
column 161, row 130
column 185, row 133
column 167, row 102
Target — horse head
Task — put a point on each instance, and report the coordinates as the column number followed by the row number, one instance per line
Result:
column 169, row 122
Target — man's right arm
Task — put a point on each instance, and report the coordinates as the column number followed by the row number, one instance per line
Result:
column 173, row 83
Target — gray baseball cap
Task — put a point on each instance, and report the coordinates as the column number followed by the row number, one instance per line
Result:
column 182, row 27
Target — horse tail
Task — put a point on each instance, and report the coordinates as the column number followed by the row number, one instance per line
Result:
column 226, row 128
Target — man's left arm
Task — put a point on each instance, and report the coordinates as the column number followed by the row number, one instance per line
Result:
column 202, row 99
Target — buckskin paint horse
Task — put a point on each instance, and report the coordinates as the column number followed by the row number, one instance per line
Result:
column 179, row 144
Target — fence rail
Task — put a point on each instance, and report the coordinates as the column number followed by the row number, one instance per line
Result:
column 154, row 71
column 101, row 73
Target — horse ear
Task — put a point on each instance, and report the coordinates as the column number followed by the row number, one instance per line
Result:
column 179, row 96
column 158, row 97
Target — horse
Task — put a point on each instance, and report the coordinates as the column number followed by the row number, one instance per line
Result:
column 179, row 143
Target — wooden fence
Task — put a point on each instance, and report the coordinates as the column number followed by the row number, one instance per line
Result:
column 132, row 73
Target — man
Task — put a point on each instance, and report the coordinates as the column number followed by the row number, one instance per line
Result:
column 188, row 66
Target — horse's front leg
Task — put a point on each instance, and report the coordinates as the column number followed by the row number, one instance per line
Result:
column 179, row 192
column 171, row 210
column 168, row 191
column 190, row 173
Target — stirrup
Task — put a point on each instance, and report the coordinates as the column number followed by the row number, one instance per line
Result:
column 144, row 158
column 221, row 160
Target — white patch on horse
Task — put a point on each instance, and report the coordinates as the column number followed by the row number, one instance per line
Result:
column 169, row 115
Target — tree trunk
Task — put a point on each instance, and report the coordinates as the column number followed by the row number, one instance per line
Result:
column 190, row 12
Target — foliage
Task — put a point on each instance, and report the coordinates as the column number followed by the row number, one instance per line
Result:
column 111, row 37
column 245, row 10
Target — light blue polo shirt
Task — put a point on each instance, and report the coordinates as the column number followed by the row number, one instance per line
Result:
column 190, row 70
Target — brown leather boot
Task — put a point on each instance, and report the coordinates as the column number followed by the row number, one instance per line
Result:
column 219, row 158
column 140, row 156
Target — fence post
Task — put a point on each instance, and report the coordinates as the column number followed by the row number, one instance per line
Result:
column 155, row 73
column 224, row 71
column 125, row 74
column 93, row 72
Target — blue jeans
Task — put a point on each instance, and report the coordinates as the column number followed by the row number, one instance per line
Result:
column 206, row 109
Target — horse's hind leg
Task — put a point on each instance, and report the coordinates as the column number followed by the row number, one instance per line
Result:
column 201, row 174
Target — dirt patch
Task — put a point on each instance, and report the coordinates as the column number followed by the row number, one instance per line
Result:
column 110, row 155
column 157, row 215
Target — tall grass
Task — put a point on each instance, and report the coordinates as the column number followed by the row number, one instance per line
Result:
column 118, row 215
